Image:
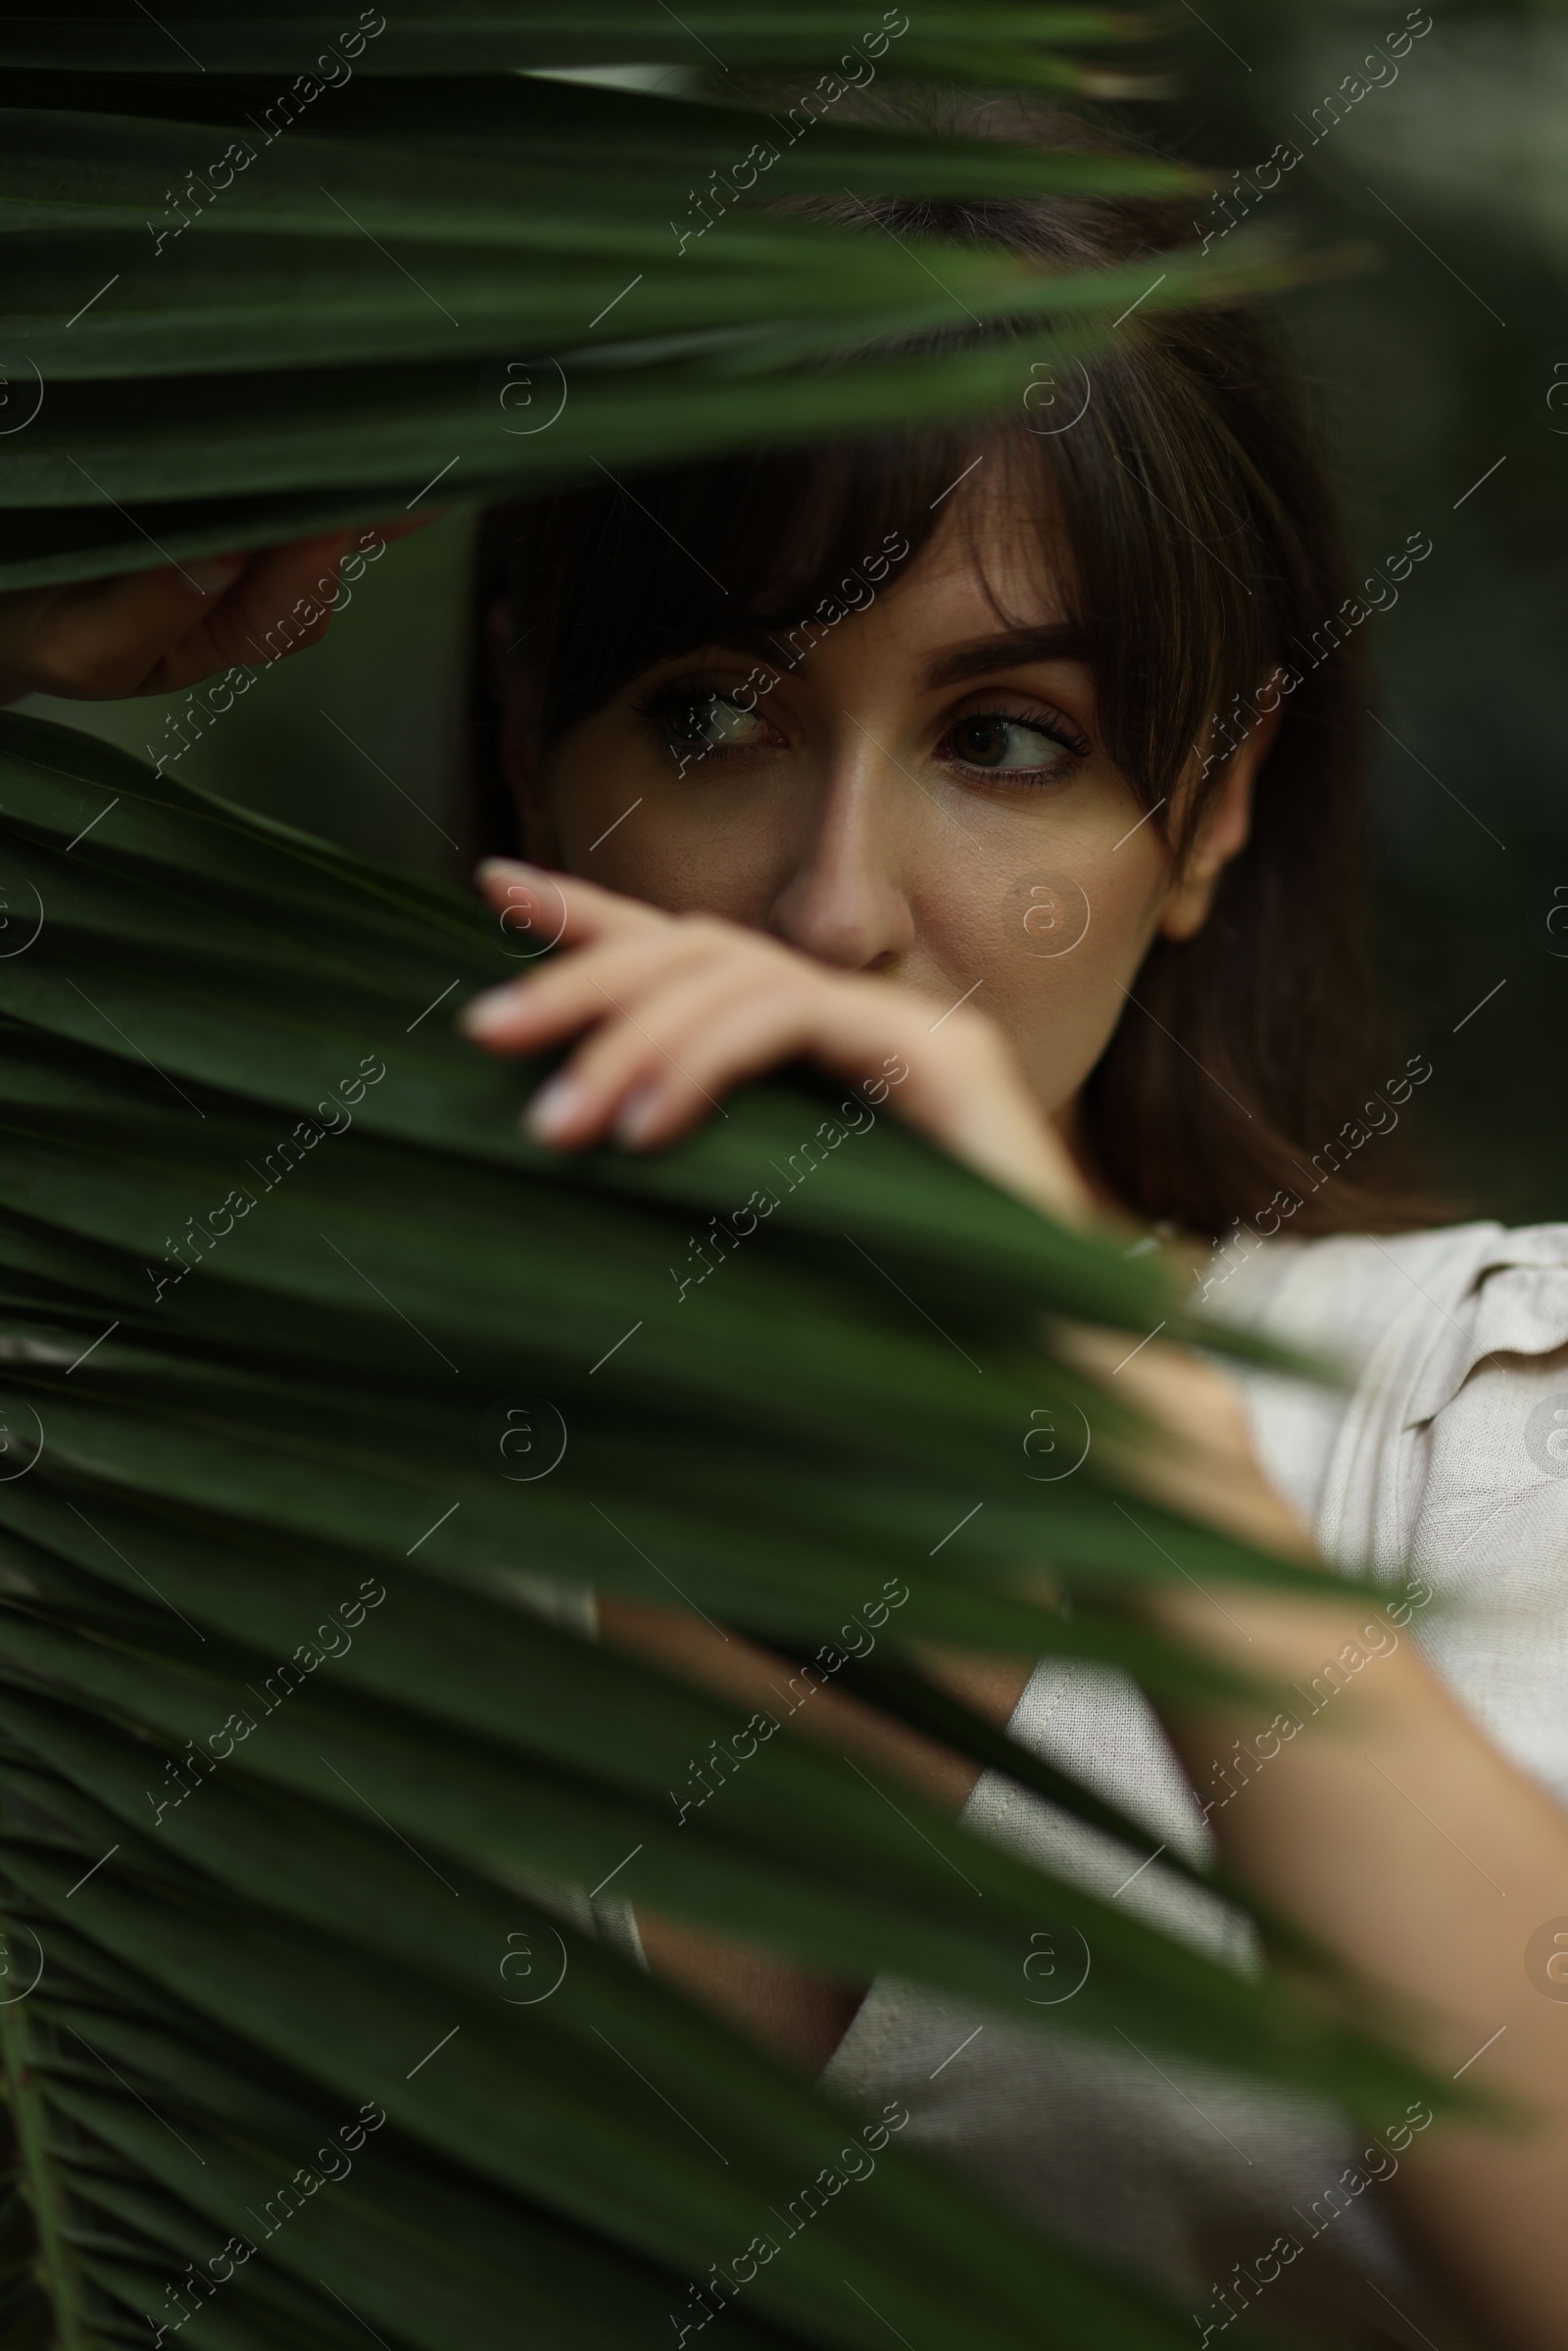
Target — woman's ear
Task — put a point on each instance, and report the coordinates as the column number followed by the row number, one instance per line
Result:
column 1222, row 834
column 517, row 738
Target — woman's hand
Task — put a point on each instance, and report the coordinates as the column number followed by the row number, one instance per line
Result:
column 158, row 631
column 675, row 1009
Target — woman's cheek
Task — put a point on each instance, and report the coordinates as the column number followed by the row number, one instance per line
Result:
column 1069, row 939
column 592, row 777
column 622, row 817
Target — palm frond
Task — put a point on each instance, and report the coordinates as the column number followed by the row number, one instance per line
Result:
column 307, row 1768
column 248, row 302
column 275, row 1872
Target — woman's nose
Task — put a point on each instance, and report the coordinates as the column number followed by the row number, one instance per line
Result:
column 845, row 900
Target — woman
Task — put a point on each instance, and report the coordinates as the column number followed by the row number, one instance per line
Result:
column 1023, row 756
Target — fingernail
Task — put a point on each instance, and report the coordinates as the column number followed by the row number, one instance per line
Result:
column 219, row 572
column 483, row 1014
column 554, row 1107
column 506, row 869
column 637, row 1115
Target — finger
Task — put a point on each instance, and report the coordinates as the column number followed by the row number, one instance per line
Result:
column 657, row 1079
column 736, row 1042
column 282, row 604
column 659, row 1071
column 285, row 600
column 560, row 907
column 582, row 985
column 704, row 1059
column 162, row 630
column 103, row 639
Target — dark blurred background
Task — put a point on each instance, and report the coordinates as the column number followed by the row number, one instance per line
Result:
column 1433, row 368
column 1442, row 378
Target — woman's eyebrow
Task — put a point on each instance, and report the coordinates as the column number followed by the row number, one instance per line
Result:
column 1015, row 650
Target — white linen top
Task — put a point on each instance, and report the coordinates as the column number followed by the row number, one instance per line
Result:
column 1447, row 1454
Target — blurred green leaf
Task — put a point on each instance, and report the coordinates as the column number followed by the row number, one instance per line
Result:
column 275, row 1873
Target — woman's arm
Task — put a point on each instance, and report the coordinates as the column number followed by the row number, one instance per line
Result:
column 1402, row 1839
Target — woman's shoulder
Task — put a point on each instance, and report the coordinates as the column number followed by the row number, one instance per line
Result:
column 1343, row 1295
column 1444, row 1451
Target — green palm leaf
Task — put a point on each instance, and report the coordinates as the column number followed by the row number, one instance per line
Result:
column 1008, row 40
column 239, row 1954
column 242, row 303
column 260, row 1886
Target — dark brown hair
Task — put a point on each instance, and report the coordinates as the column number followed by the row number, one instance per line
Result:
column 1203, row 553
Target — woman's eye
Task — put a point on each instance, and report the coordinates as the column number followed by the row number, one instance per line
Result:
column 989, row 739
column 710, row 722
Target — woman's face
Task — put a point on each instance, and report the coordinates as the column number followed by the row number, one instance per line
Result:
column 925, row 796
